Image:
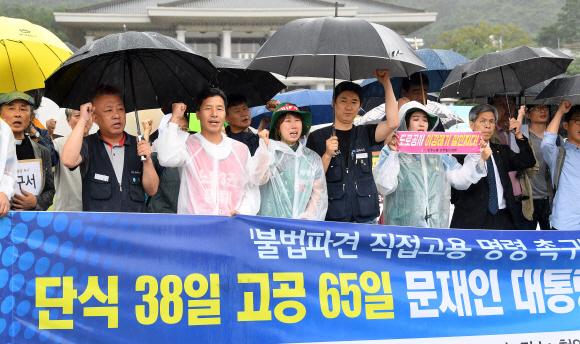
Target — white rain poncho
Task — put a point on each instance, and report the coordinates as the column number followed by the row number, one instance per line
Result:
column 8, row 161
column 215, row 179
column 417, row 187
column 293, row 184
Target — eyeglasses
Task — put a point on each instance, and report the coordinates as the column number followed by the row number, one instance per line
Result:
column 541, row 108
column 577, row 120
column 486, row 121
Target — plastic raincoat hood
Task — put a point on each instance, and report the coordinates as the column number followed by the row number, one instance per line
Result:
column 407, row 107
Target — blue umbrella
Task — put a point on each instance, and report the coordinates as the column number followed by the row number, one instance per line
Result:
column 439, row 65
column 317, row 102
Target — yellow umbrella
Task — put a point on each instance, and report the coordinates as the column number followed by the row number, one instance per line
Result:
column 28, row 55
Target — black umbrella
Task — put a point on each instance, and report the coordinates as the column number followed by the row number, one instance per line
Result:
column 329, row 47
column 334, row 47
column 561, row 89
column 150, row 70
column 527, row 97
column 233, row 77
column 512, row 70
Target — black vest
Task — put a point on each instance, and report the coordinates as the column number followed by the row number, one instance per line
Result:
column 102, row 194
column 352, row 191
column 248, row 138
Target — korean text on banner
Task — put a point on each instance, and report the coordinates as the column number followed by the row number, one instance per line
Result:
column 413, row 142
column 29, row 176
column 99, row 278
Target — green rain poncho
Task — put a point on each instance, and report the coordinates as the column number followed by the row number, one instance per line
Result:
column 292, row 183
column 417, row 187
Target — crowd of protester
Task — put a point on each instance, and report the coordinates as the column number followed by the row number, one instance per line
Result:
column 525, row 176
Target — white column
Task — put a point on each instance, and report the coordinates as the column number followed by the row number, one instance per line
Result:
column 320, row 86
column 227, row 43
column 180, row 35
column 89, row 39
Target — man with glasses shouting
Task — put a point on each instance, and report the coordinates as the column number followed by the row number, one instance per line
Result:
column 490, row 203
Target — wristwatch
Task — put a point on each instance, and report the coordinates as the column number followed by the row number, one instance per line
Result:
column 36, row 135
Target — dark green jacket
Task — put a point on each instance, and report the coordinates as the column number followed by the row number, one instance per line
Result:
column 165, row 200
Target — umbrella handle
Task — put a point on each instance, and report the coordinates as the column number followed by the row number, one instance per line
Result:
column 140, row 138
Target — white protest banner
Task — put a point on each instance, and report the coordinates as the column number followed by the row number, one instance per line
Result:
column 29, row 176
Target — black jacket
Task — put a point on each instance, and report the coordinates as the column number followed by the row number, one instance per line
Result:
column 248, row 138
column 352, row 192
column 471, row 204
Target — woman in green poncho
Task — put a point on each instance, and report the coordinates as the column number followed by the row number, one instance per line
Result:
column 417, row 187
column 291, row 176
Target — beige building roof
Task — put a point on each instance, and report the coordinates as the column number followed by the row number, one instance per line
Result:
column 229, row 28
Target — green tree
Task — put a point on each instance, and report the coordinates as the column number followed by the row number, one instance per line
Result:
column 566, row 27
column 474, row 41
column 38, row 15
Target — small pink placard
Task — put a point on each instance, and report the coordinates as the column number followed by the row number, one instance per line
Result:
column 414, row 142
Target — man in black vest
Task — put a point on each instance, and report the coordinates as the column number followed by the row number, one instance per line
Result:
column 114, row 177
column 347, row 157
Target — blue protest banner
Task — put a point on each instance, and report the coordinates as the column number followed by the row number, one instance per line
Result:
column 147, row 278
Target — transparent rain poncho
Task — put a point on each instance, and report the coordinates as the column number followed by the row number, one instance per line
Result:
column 417, row 187
column 215, row 179
column 293, row 184
column 8, row 161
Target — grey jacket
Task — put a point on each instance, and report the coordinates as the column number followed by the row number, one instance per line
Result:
column 552, row 188
column 44, row 200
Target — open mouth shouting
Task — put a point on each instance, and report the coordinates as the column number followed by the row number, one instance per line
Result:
column 214, row 123
column 294, row 134
column 17, row 124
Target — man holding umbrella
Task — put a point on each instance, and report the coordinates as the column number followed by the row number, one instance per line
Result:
column 506, row 109
column 414, row 88
column 239, row 118
column 347, row 157
column 114, row 177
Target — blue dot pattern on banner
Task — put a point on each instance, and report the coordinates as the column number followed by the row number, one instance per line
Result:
column 43, row 245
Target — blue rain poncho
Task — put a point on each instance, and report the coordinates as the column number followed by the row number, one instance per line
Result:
column 293, row 184
column 417, row 187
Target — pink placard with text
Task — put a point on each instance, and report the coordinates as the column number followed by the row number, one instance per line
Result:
column 414, row 142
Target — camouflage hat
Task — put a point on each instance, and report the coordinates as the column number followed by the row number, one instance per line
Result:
column 6, row 98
